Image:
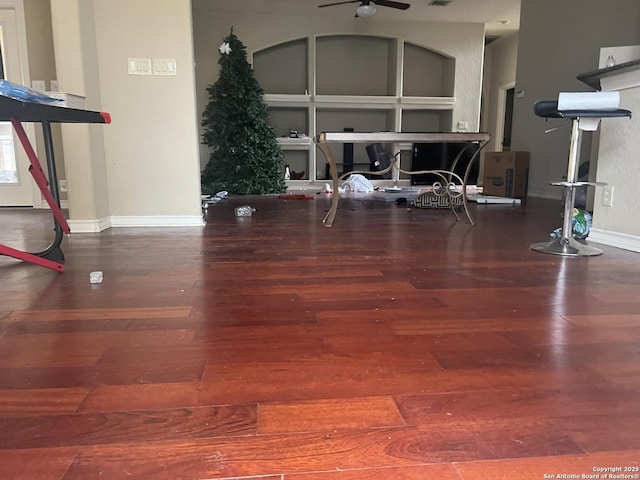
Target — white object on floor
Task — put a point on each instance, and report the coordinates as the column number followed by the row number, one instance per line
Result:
column 492, row 199
column 95, row 277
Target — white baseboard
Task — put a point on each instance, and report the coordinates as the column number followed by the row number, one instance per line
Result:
column 89, row 226
column 615, row 239
column 97, row 226
column 158, row 221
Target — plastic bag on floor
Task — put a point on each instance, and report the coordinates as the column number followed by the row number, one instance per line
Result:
column 581, row 225
column 357, row 183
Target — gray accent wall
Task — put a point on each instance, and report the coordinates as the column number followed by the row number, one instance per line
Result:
column 558, row 40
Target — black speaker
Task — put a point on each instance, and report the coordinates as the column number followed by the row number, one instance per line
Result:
column 347, row 154
column 379, row 159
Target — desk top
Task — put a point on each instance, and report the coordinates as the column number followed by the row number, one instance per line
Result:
column 39, row 112
column 406, row 137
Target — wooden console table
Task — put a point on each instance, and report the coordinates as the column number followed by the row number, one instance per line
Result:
column 448, row 177
column 17, row 111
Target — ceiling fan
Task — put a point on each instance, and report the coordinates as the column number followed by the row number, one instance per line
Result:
column 366, row 10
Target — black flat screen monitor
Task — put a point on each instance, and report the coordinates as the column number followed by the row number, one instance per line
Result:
column 440, row 156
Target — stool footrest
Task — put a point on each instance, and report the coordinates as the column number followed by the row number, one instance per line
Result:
column 578, row 184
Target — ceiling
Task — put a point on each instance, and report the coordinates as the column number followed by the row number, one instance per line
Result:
column 500, row 16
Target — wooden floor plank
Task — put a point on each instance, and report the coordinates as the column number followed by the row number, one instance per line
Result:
column 56, row 401
column 286, row 454
column 112, row 371
column 611, row 320
column 521, row 403
column 568, row 356
column 138, row 427
column 317, row 376
column 98, row 314
column 397, row 344
column 269, row 342
column 237, row 383
column 557, row 467
column 328, row 415
column 81, row 349
column 36, row 464
column 418, row 472
column 606, row 431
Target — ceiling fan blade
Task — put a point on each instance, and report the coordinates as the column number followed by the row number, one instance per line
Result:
column 338, row 3
column 392, row 4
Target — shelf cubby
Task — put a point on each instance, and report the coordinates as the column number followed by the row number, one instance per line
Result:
column 298, row 161
column 282, row 68
column 364, row 82
column 355, row 65
column 285, row 119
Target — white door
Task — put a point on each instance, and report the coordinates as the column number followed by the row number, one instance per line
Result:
column 16, row 184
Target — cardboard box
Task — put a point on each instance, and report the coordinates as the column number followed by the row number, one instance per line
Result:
column 506, row 174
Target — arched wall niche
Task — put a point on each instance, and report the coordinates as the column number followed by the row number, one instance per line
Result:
column 354, row 64
column 363, row 82
column 427, row 73
column 283, row 68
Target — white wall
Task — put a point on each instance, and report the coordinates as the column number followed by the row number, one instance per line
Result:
column 42, row 66
column 143, row 168
column 500, row 71
column 618, row 166
column 152, row 146
column 465, row 42
column 77, row 72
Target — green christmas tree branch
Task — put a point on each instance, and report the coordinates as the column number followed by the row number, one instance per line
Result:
column 246, row 158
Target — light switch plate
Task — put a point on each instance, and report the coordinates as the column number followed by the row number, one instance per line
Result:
column 139, row 66
column 164, row 66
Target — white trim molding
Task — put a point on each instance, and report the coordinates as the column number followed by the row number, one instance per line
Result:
column 97, row 226
column 89, row 226
column 158, row 221
column 615, row 239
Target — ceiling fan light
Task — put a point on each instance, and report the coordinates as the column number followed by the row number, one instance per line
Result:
column 365, row 11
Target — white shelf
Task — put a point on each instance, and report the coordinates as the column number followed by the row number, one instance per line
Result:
column 430, row 72
column 428, row 103
column 281, row 100
column 287, row 143
column 354, row 101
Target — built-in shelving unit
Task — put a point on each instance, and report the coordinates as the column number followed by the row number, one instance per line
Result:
column 366, row 83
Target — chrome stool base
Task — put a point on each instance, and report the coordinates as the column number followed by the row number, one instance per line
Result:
column 568, row 247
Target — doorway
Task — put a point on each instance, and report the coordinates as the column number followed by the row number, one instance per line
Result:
column 16, row 185
column 504, row 117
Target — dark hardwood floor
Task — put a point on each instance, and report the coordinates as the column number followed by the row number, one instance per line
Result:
column 397, row 344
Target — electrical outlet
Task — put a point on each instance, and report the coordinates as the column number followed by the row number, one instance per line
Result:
column 607, row 196
column 63, row 185
column 39, row 85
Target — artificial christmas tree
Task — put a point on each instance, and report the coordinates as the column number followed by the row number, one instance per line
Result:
column 246, row 158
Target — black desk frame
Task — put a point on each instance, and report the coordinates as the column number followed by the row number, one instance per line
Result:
column 16, row 112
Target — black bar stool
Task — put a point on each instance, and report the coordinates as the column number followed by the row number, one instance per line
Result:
column 586, row 119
